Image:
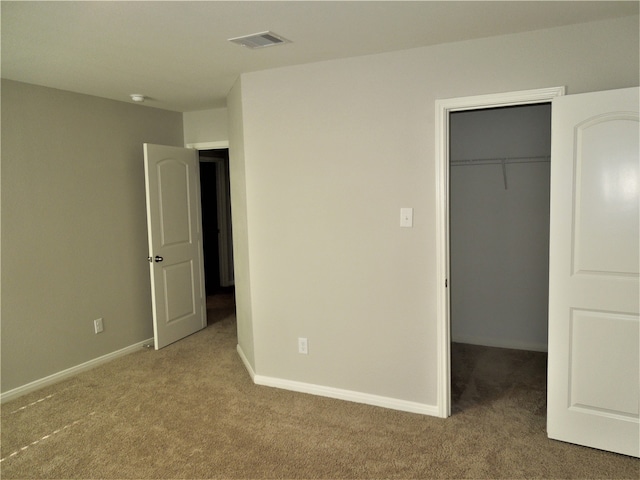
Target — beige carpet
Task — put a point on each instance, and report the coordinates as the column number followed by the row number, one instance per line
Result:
column 191, row 411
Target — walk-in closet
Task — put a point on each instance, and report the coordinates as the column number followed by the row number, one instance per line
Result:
column 499, row 240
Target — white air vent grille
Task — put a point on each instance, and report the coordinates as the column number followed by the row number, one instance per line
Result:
column 260, row 40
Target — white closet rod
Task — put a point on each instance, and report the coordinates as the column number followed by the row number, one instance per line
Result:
column 500, row 161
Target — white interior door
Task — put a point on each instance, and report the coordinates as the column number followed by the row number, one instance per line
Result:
column 594, row 354
column 175, row 242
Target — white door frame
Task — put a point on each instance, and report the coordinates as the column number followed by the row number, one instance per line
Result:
column 443, row 108
column 224, row 219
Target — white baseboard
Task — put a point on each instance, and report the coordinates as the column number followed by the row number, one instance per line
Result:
column 70, row 372
column 340, row 394
column 247, row 365
column 500, row 343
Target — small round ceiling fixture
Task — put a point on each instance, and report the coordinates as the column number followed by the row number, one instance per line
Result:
column 137, row 97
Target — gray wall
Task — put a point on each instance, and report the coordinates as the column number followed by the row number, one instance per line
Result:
column 330, row 153
column 74, row 230
column 500, row 237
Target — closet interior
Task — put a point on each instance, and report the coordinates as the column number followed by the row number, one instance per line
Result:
column 499, row 235
column 499, row 226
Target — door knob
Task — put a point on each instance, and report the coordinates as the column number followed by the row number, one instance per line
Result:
column 158, row 258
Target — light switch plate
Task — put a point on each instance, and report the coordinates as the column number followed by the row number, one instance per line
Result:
column 406, row 217
column 98, row 326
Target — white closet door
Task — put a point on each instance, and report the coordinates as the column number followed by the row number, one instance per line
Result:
column 594, row 373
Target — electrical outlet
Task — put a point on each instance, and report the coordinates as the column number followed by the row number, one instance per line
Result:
column 97, row 325
column 303, row 346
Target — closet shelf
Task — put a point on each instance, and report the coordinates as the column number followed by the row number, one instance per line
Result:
column 500, row 161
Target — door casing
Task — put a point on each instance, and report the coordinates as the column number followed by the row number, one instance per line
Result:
column 225, row 245
column 443, row 108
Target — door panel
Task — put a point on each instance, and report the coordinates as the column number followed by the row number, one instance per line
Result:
column 594, row 327
column 606, row 171
column 175, row 242
column 173, row 198
column 594, row 372
column 178, row 278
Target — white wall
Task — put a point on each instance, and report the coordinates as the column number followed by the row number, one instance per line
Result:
column 331, row 152
column 239, row 221
column 205, row 126
column 500, row 237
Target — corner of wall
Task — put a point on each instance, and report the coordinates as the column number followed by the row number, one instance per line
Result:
column 240, row 227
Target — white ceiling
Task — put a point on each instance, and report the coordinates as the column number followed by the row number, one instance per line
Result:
column 177, row 53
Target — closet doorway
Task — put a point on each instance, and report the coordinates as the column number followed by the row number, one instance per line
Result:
column 499, row 174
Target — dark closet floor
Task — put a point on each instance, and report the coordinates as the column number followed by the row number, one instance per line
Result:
column 481, row 375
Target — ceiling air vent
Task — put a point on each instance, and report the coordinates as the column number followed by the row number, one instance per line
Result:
column 260, row 40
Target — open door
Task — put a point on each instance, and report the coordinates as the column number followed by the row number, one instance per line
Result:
column 594, row 335
column 175, row 242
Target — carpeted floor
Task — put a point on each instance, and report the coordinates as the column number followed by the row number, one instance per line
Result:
column 191, row 411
